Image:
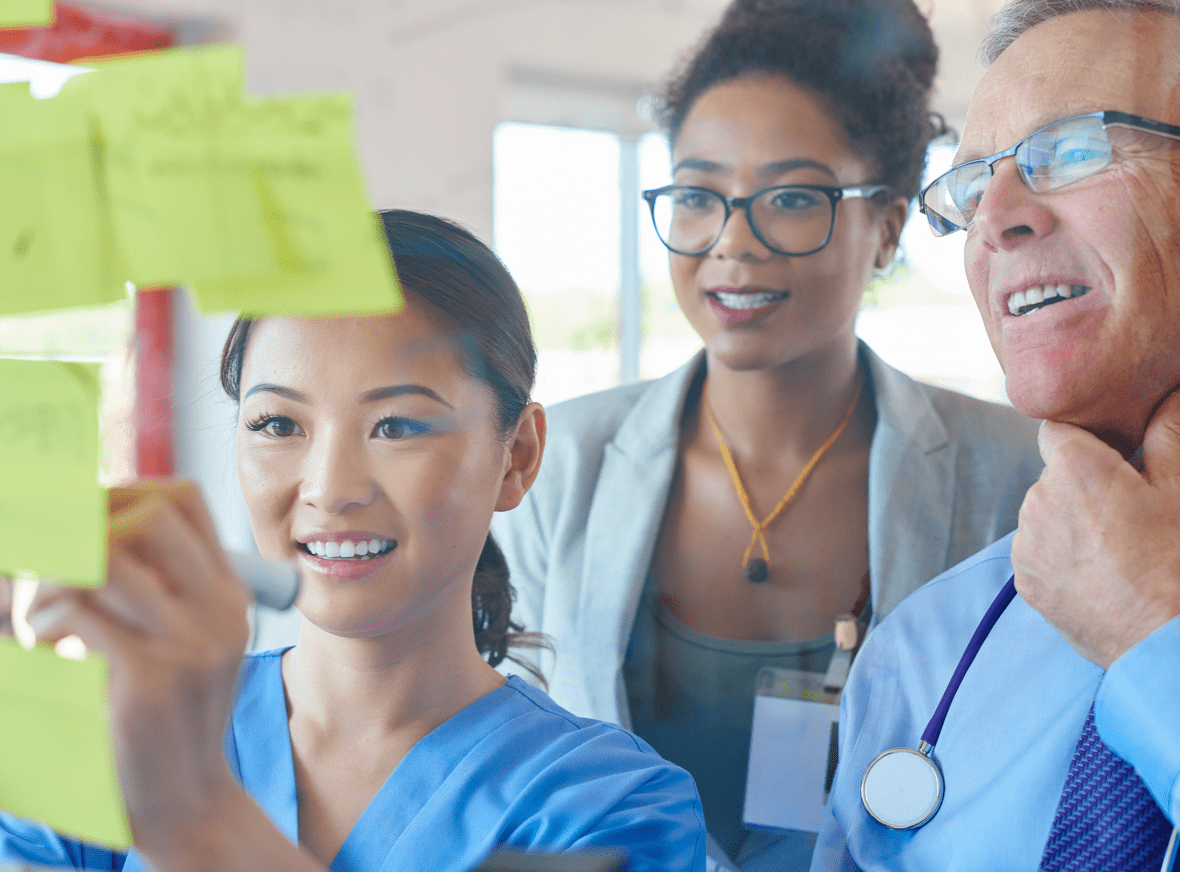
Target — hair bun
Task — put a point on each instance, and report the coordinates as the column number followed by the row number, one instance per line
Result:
column 872, row 61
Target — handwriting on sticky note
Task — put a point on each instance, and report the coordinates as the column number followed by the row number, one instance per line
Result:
column 26, row 13
column 184, row 208
column 57, row 762
column 330, row 250
column 52, row 510
column 258, row 205
column 56, row 247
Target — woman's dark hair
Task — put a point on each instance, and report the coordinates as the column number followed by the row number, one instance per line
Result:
column 872, row 61
column 467, row 286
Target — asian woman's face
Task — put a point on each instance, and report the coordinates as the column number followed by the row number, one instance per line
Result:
column 369, row 456
column 754, row 308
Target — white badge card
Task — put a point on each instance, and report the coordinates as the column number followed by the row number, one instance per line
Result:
column 792, row 750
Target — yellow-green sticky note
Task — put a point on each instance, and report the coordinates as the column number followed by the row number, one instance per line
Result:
column 14, row 93
column 183, row 204
column 53, row 513
column 26, row 13
column 56, row 247
column 58, row 764
column 331, row 253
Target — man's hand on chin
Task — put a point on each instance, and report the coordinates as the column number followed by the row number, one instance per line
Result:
column 1097, row 551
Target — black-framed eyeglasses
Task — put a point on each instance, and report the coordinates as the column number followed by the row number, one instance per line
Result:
column 1058, row 154
column 794, row 220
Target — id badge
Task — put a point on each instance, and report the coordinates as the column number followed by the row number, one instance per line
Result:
column 793, row 747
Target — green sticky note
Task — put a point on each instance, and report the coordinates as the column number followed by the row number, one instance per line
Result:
column 331, row 253
column 184, row 206
column 58, row 764
column 53, row 513
column 14, row 93
column 26, row 13
column 56, row 245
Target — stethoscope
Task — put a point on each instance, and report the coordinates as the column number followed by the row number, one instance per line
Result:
column 903, row 788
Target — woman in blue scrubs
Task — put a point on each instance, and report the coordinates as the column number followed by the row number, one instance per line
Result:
column 372, row 452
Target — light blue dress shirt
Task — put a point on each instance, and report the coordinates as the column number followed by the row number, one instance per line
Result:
column 512, row 769
column 1010, row 733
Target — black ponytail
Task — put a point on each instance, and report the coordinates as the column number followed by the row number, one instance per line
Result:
column 491, row 611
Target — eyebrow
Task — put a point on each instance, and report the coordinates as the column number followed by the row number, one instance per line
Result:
column 777, row 168
column 367, row 397
column 264, row 387
column 400, row 390
column 1049, row 116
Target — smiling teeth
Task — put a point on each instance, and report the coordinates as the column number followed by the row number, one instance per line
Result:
column 1038, row 296
column 748, row 301
column 349, row 548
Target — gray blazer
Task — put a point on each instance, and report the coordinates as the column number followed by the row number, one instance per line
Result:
column 947, row 474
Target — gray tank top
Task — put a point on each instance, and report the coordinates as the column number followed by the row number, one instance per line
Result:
column 691, row 698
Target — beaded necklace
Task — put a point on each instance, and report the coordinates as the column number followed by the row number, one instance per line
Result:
column 758, row 569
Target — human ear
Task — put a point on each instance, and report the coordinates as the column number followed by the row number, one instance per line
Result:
column 527, row 445
column 890, row 221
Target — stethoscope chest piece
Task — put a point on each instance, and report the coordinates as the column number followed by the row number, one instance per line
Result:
column 902, row 788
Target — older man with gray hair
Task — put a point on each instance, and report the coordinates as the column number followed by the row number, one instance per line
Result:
column 999, row 724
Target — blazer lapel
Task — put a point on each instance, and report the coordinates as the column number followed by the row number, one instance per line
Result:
column 637, row 470
column 911, row 488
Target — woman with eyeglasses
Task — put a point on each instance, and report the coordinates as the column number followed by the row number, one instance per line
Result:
column 765, row 504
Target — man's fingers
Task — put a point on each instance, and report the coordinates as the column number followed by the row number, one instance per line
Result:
column 1161, row 442
column 1055, row 438
column 1071, row 453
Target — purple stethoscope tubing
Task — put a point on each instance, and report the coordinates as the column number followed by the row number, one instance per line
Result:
column 1003, row 598
column 902, row 788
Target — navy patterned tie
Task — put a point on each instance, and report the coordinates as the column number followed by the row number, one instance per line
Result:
column 1106, row 819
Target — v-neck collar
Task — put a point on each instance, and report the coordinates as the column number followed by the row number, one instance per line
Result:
column 258, row 747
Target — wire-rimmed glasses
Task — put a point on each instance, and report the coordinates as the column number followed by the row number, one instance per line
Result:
column 794, row 220
column 1058, row 154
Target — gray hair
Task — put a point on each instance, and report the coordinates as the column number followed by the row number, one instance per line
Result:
column 1019, row 16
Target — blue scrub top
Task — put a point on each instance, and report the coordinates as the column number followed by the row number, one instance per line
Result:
column 512, row 769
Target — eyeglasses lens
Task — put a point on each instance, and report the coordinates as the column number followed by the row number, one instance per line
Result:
column 1063, row 153
column 1050, row 158
column 951, row 201
column 688, row 220
column 790, row 220
column 794, row 220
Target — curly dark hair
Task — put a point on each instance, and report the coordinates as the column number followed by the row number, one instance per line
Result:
column 872, row 61
column 463, row 281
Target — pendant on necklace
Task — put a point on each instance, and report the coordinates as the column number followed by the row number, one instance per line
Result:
column 757, row 571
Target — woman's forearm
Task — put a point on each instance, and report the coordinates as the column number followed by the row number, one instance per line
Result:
column 231, row 834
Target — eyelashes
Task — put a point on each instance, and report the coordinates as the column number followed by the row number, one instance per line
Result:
column 397, row 427
column 278, row 426
column 390, row 427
